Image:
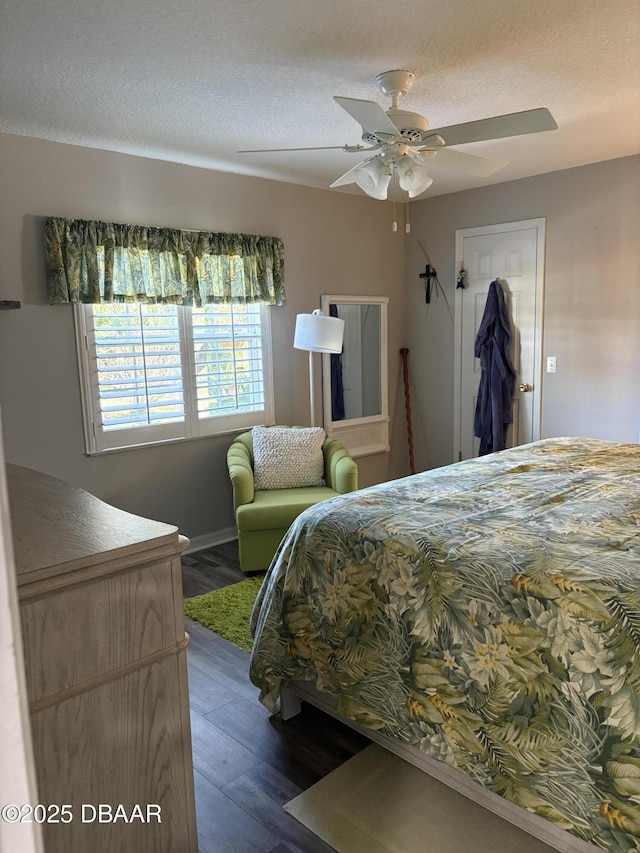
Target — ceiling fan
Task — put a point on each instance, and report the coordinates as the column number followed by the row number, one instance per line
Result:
column 404, row 140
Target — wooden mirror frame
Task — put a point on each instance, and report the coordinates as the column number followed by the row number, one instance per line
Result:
column 367, row 435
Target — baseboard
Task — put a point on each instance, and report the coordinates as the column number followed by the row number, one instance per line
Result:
column 208, row 540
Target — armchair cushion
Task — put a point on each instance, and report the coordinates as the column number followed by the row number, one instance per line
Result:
column 278, row 508
column 285, row 458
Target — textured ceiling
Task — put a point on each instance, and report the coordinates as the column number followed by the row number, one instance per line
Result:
column 197, row 80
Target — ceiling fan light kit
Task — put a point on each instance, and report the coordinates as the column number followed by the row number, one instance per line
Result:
column 373, row 177
column 404, row 140
column 413, row 176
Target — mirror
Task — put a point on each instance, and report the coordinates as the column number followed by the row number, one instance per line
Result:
column 355, row 382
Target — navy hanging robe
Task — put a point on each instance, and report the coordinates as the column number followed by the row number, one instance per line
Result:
column 497, row 379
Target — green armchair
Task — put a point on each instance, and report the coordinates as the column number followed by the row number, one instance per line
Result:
column 264, row 516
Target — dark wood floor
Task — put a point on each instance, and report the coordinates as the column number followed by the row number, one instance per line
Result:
column 246, row 764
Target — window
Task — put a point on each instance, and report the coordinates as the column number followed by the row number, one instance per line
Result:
column 152, row 373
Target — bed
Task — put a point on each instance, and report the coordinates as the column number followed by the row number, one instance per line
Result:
column 483, row 619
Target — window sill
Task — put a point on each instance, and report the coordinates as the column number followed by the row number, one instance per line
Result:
column 167, row 441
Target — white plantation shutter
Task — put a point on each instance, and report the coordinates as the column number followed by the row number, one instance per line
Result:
column 227, row 342
column 139, row 364
column 163, row 372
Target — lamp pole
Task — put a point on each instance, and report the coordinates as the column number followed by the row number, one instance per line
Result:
column 311, row 389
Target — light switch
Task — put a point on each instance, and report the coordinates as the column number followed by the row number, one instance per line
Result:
column 551, row 364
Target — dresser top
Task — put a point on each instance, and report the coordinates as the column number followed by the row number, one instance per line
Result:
column 59, row 529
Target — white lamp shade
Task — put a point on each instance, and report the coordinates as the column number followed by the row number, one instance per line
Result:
column 413, row 176
column 318, row 333
column 373, row 177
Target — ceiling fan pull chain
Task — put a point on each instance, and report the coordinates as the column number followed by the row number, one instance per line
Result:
column 394, row 226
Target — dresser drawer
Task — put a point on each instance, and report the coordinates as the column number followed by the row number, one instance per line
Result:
column 122, row 742
column 96, row 627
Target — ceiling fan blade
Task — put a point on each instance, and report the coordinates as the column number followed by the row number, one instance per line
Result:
column 498, row 127
column 271, row 150
column 470, row 164
column 349, row 177
column 369, row 115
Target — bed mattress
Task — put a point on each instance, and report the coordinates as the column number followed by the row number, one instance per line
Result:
column 488, row 613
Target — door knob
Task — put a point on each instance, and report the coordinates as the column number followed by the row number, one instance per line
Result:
column 525, row 387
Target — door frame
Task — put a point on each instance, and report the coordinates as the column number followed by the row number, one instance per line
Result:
column 524, row 224
column 18, row 782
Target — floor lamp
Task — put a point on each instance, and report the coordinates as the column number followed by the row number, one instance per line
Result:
column 317, row 333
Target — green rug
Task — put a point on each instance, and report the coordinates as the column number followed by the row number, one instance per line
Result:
column 227, row 611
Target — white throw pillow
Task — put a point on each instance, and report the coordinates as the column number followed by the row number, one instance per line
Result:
column 288, row 458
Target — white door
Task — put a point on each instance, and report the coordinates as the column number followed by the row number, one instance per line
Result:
column 513, row 253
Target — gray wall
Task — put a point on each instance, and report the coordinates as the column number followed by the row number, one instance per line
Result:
column 334, row 243
column 591, row 306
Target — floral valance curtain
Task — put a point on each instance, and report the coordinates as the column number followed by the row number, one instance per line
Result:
column 105, row 262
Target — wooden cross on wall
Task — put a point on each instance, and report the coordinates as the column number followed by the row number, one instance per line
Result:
column 428, row 275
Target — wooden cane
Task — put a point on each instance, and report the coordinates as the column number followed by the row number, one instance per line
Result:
column 404, row 352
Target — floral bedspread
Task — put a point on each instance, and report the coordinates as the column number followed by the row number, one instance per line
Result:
column 487, row 612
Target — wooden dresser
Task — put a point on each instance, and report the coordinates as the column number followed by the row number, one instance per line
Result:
column 105, row 655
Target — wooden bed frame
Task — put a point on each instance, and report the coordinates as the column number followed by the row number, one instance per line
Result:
column 295, row 692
